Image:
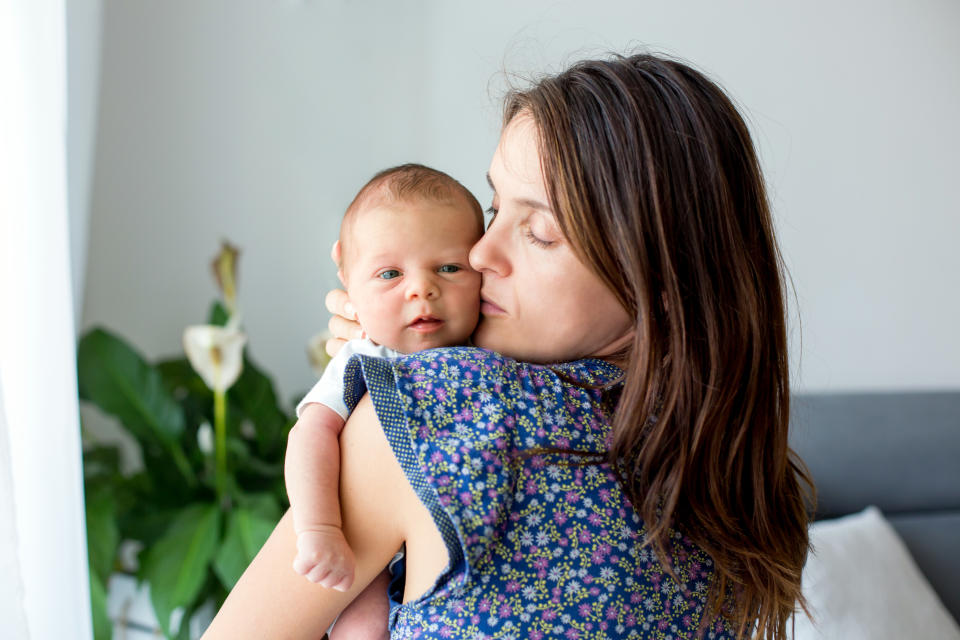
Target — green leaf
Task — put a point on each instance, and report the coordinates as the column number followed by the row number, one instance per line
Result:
column 179, row 377
column 146, row 522
column 103, row 534
column 102, row 627
column 118, row 380
column 183, row 632
column 254, row 395
column 264, row 505
column 246, row 533
column 218, row 315
column 175, row 567
column 101, row 460
column 253, row 464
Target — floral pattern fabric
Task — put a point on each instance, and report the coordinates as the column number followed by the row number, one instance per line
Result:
column 541, row 545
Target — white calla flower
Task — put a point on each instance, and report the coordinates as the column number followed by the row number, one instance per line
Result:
column 216, row 353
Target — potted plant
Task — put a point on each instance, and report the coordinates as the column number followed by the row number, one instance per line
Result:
column 212, row 435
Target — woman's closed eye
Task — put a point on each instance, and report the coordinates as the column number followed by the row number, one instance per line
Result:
column 528, row 232
column 536, row 240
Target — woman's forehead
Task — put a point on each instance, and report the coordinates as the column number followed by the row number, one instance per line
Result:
column 517, row 157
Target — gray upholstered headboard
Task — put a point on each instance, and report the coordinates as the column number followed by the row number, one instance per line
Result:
column 899, row 451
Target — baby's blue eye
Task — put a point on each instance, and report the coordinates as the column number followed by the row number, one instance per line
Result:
column 449, row 268
column 389, row 274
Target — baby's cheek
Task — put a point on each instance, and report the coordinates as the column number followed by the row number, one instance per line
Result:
column 377, row 329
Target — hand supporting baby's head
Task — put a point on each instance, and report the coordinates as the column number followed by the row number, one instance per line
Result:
column 405, row 241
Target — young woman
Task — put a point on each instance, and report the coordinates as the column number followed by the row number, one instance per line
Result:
column 637, row 482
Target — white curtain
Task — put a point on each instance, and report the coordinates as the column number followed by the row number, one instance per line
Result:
column 44, row 588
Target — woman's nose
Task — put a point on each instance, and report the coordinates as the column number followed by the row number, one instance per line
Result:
column 487, row 255
column 422, row 287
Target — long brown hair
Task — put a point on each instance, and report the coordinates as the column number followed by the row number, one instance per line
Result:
column 653, row 177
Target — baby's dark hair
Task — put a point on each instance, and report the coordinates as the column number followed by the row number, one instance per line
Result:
column 408, row 184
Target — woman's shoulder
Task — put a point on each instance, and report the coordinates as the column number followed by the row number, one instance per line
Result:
column 474, row 365
column 456, row 391
column 453, row 397
column 461, row 362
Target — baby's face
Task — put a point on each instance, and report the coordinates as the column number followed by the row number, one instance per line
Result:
column 408, row 276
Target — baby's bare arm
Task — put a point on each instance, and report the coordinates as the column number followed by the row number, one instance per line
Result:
column 312, row 468
column 312, row 472
column 270, row 600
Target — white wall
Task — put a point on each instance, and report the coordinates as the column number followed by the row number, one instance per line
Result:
column 258, row 120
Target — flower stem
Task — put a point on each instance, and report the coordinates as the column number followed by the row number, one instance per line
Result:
column 220, row 428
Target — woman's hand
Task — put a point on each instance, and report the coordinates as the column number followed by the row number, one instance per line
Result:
column 343, row 325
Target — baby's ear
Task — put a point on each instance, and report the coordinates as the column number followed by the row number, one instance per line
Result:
column 335, row 252
column 340, row 277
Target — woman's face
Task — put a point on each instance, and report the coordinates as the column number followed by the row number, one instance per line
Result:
column 539, row 303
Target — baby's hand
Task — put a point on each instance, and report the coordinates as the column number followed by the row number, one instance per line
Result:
column 324, row 557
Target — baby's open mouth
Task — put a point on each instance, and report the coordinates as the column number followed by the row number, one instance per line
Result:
column 426, row 323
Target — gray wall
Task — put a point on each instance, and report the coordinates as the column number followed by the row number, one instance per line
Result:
column 257, row 121
column 83, row 70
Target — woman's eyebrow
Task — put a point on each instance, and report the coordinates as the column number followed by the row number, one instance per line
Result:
column 526, row 202
column 533, row 204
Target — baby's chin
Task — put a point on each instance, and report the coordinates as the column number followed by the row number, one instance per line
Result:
column 413, row 343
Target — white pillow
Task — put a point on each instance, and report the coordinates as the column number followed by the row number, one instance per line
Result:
column 861, row 582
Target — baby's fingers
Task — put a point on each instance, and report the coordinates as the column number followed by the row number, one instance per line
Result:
column 303, row 564
column 345, row 582
column 337, row 579
column 318, row 574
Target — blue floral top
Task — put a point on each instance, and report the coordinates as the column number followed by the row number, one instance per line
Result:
column 541, row 546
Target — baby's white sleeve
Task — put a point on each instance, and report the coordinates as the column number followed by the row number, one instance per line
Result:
column 329, row 389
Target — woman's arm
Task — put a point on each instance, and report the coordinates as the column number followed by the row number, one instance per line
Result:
column 271, row 600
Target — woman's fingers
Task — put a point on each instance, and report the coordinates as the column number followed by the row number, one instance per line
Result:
column 333, row 345
column 338, row 303
column 343, row 323
column 344, row 329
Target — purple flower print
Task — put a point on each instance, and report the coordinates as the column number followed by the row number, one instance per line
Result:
column 543, row 538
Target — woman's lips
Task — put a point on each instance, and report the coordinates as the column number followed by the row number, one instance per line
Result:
column 489, row 308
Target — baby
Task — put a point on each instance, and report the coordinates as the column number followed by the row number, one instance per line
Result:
column 404, row 243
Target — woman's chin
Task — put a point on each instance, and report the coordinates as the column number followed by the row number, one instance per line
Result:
column 488, row 336
column 513, row 345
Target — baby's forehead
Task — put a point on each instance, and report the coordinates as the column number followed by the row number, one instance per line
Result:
column 410, row 214
column 379, row 230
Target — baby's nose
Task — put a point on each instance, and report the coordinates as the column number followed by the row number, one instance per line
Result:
column 422, row 287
